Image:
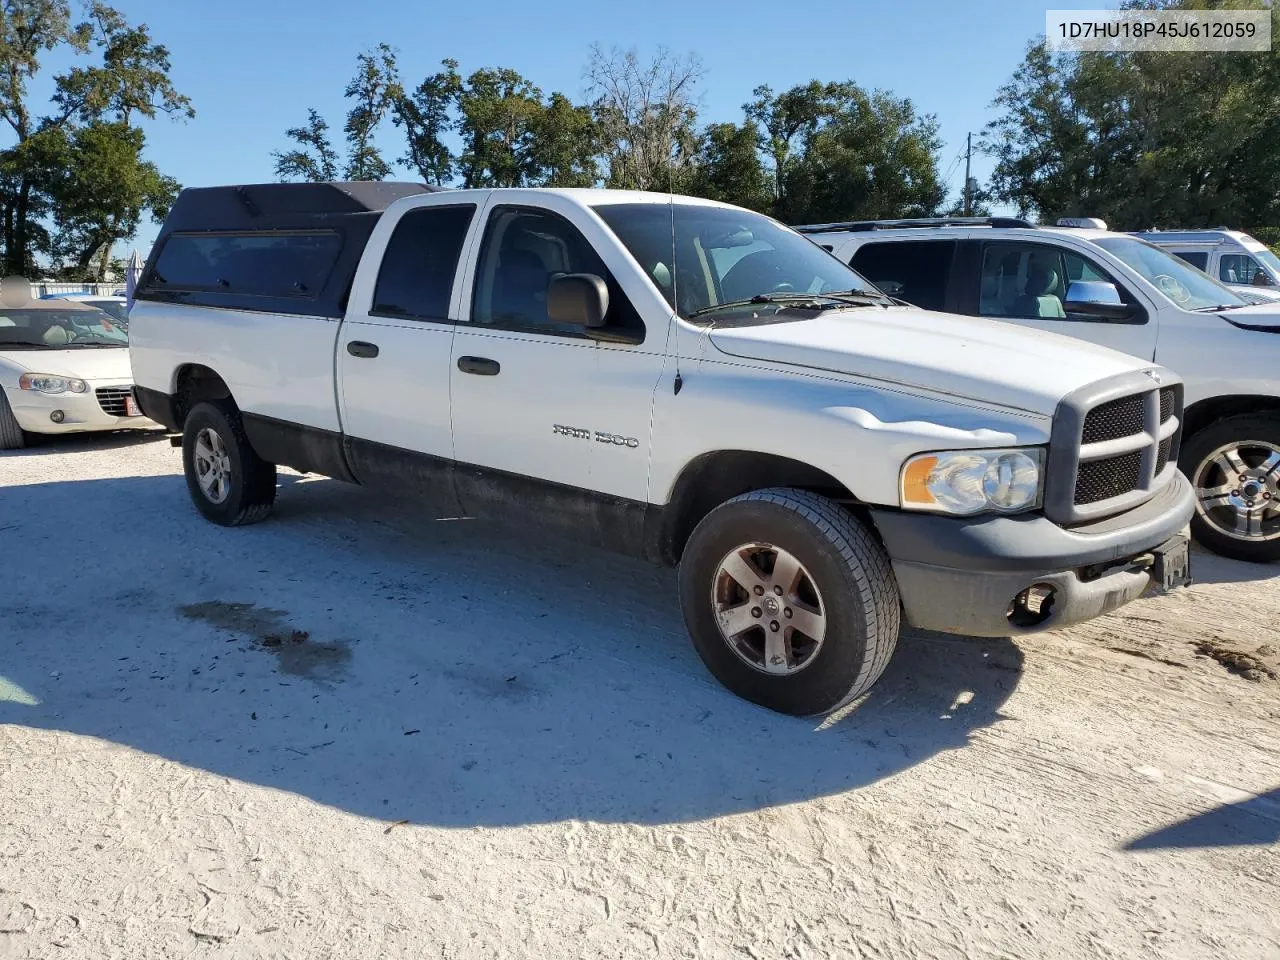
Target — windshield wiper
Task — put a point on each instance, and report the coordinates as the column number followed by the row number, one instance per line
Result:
column 820, row 301
column 1221, row 306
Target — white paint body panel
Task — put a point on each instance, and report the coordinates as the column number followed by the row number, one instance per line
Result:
column 853, row 394
column 1214, row 358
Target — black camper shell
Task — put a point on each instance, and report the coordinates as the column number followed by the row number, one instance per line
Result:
column 275, row 247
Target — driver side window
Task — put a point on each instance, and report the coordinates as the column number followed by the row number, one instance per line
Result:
column 1030, row 281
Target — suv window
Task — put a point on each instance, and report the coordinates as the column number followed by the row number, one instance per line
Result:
column 1198, row 260
column 915, row 270
column 523, row 251
column 416, row 276
column 1029, row 280
column 1238, row 268
column 284, row 264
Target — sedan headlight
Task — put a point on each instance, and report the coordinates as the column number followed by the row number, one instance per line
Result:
column 49, row 383
column 965, row 482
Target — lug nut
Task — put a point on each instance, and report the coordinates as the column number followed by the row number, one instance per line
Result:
column 759, row 589
column 755, row 612
column 787, row 612
column 778, row 591
column 773, row 625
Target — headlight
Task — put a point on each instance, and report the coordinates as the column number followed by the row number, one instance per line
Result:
column 966, row 482
column 48, row 383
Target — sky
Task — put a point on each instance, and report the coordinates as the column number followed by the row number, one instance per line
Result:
column 253, row 67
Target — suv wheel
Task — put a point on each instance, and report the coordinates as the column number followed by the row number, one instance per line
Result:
column 229, row 483
column 1234, row 465
column 789, row 600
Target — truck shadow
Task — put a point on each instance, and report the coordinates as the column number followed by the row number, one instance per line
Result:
column 405, row 668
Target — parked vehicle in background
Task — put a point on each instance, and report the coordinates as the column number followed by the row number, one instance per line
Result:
column 1123, row 292
column 64, row 368
column 675, row 378
column 116, row 307
column 1229, row 256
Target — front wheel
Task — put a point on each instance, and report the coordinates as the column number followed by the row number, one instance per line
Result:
column 228, row 482
column 11, row 436
column 1234, row 465
column 789, row 600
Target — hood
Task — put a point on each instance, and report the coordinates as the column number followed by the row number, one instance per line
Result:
column 1261, row 316
column 84, row 363
column 971, row 357
column 1253, row 294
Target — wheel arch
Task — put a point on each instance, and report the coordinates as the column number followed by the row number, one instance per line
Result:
column 716, row 477
column 193, row 383
column 1210, row 410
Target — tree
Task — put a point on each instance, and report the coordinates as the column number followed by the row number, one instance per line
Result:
column 499, row 112
column 426, row 116
column 374, row 88
column 99, row 187
column 785, row 120
column 645, row 114
column 728, row 168
column 565, row 144
column 1141, row 139
column 92, row 104
column 314, row 158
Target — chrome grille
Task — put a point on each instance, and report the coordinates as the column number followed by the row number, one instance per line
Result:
column 1114, row 445
column 112, row 400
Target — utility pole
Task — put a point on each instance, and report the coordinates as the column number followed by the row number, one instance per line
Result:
column 968, row 189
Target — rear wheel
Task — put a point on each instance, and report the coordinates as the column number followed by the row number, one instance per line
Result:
column 11, row 437
column 1234, row 465
column 789, row 600
column 228, row 482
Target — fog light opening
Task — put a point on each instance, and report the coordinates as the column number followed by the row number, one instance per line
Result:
column 1033, row 606
column 57, row 416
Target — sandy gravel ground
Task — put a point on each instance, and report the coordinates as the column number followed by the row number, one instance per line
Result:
column 357, row 732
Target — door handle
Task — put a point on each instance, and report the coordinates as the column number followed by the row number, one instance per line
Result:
column 480, row 366
column 358, row 348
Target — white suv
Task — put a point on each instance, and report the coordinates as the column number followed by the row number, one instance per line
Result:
column 1118, row 291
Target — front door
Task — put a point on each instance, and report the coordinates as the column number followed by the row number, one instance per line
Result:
column 535, row 399
column 1026, row 283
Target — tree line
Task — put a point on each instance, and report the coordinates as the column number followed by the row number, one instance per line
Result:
column 818, row 149
column 1140, row 139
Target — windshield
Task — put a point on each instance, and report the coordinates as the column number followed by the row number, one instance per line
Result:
column 59, row 329
column 117, row 310
column 705, row 257
column 1270, row 260
column 1183, row 284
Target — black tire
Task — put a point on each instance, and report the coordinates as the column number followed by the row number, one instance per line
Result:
column 846, row 565
column 1198, row 450
column 11, row 436
column 251, row 482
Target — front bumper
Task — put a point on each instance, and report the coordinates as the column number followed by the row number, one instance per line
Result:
column 80, row 411
column 962, row 575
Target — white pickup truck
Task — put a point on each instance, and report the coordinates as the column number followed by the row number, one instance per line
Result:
column 679, row 379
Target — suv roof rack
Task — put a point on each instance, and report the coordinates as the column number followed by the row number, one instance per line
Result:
column 915, row 222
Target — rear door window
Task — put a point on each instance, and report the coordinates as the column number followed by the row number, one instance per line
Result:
column 918, row 271
column 1198, row 259
column 416, row 277
column 279, row 264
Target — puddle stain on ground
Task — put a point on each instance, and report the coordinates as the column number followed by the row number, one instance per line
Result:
column 295, row 652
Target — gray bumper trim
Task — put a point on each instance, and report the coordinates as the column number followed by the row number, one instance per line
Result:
column 959, row 576
column 1034, row 543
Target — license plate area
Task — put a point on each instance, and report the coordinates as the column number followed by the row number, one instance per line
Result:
column 1172, row 566
column 131, row 407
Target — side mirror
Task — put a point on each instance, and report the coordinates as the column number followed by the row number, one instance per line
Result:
column 1096, row 298
column 1261, row 279
column 580, row 299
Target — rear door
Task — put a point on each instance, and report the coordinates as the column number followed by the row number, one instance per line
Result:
column 918, row 271
column 394, row 346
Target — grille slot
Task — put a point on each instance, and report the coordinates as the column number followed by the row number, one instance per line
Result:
column 1119, row 418
column 1167, row 402
column 1162, row 458
column 112, row 400
column 1104, row 479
